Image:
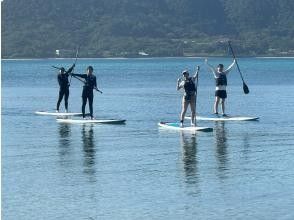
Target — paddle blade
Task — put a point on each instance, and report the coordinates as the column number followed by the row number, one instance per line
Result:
column 245, row 88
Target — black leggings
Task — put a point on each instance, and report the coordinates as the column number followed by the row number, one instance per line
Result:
column 63, row 92
column 87, row 95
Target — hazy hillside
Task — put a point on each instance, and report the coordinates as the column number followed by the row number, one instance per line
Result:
column 111, row 28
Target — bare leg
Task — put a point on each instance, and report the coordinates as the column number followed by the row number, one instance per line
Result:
column 184, row 109
column 223, row 106
column 216, row 102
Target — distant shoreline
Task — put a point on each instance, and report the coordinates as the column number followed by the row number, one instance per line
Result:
column 126, row 58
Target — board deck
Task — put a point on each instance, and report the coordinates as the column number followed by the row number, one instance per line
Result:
column 59, row 113
column 89, row 121
column 176, row 126
column 224, row 118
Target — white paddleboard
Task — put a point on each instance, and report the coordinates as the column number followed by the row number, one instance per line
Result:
column 176, row 126
column 225, row 118
column 84, row 121
column 59, row 113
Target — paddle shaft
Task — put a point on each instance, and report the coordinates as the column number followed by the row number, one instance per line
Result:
column 245, row 87
column 84, row 82
column 77, row 53
column 196, row 85
column 236, row 60
column 56, row 67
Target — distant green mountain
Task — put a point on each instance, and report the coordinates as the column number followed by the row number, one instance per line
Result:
column 132, row 28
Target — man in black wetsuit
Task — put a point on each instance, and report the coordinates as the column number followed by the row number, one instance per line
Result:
column 90, row 84
column 63, row 87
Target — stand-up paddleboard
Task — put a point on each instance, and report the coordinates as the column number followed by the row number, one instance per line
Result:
column 224, row 118
column 176, row 126
column 59, row 113
column 89, row 121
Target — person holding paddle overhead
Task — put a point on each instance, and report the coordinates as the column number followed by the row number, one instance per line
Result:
column 220, row 76
column 188, row 84
column 62, row 78
column 90, row 83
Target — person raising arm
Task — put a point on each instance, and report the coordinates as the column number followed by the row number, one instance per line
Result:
column 189, row 98
column 220, row 76
column 63, row 82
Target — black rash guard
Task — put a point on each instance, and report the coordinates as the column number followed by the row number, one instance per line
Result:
column 189, row 87
column 221, row 80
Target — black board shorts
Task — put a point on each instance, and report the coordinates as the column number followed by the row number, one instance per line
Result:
column 221, row 93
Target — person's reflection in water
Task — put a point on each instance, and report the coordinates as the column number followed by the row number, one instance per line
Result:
column 64, row 141
column 89, row 150
column 246, row 146
column 221, row 148
column 189, row 157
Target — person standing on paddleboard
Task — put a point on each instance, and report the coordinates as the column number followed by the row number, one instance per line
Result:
column 188, row 84
column 90, row 83
column 62, row 78
column 220, row 76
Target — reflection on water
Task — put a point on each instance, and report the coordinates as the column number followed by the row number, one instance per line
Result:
column 89, row 149
column 246, row 146
column 221, row 148
column 64, row 139
column 189, row 149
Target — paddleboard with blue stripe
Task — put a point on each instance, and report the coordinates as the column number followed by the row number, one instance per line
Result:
column 224, row 118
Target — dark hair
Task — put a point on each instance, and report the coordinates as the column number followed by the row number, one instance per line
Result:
column 62, row 69
column 220, row 65
column 90, row 68
column 185, row 72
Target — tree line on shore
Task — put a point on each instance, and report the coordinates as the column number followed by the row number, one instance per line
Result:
column 133, row 28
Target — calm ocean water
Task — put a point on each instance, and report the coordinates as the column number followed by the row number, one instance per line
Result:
column 241, row 170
